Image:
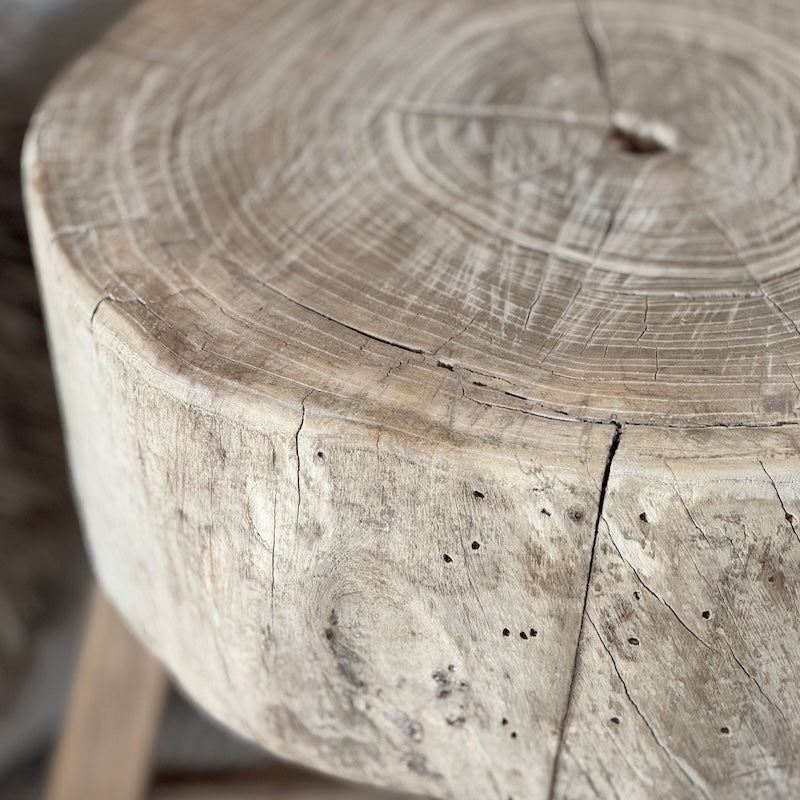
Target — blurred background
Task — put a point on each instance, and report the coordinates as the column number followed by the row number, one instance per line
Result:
column 44, row 577
column 43, row 570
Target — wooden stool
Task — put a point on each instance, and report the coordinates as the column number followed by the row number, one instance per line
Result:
column 430, row 375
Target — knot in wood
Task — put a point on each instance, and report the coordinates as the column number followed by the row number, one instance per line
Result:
column 638, row 134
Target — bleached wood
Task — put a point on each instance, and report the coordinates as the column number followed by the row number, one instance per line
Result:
column 384, row 329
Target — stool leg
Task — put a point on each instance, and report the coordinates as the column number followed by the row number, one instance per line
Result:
column 109, row 730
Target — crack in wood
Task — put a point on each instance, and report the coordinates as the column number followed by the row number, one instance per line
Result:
column 546, row 413
column 755, row 681
column 595, row 39
column 670, row 755
column 657, row 596
column 612, row 451
column 297, row 508
column 360, row 331
column 787, row 516
column 565, row 417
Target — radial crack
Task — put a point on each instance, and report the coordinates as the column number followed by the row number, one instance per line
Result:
column 297, row 508
column 297, row 452
column 595, row 38
column 455, row 335
column 612, row 450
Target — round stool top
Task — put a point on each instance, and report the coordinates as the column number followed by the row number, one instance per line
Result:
column 421, row 205
column 431, row 379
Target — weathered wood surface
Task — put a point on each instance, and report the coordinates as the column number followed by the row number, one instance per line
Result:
column 429, row 378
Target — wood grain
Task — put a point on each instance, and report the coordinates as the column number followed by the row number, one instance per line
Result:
column 114, row 709
column 429, row 379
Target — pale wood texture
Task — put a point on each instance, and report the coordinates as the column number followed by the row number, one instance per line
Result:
column 429, row 379
column 114, row 709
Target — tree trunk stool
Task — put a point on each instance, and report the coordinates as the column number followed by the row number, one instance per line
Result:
column 430, row 375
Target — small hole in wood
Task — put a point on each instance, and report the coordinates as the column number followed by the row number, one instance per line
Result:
column 320, row 455
column 790, row 518
column 506, row 632
column 575, row 514
column 505, row 721
column 478, row 495
column 534, row 633
column 546, row 512
column 771, row 579
column 447, row 559
column 475, row 546
column 725, row 729
column 633, row 640
column 523, row 635
column 643, row 516
column 706, row 614
column 637, row 595
column 513, row 734
column 615, row 720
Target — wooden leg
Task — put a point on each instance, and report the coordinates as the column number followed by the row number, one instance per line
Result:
column 112, row 718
